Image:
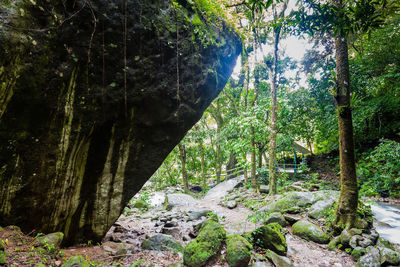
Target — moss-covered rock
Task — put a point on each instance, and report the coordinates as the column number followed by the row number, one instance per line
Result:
column 389, row 257
column 76, row 261
column 238, row 251
column 206, row 245
column 310, row 231
column 270, row 237
column 162, row 242
column 141, row 204
column 370, row 259
column 91, row 104
column 2, row 257
column 54, row 239
column 358, row 252
column 278, row 260
column 276, row 217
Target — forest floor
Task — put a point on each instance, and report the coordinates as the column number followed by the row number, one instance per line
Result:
column 122, row 244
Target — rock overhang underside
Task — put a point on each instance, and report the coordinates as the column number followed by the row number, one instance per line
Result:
column 93, row 97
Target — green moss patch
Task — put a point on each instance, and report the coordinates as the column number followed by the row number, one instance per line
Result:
column 238, row 251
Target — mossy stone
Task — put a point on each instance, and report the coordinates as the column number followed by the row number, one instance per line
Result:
column 206, row 245
column 270, row 237
column 76, row 261
column 333, row 243
column 238, row 251
column 310, row 232
column 52, row 239
column 162, row 242
column 141, row 204
column 2, row 258
column 358, row 252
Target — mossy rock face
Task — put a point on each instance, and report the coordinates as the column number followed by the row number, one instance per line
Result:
column 206, row 245
column 238, row 251
column 76, row 261
column 310, row 232
column 270, row 237
column 84, row 125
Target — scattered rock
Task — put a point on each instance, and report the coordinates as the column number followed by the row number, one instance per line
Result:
column 344, row 238
column 333, row 243
column 173, row 200
column 162, row 242
column 279, row 261
column 291, row 218
column 276, row 217
column 358, row 252
column 208, row 242
column 76, row 261
column 270, row 237
column 365, row 242
column 264, row 189
column 173, row 231
column 238, row 251
column 310, row 231
column 295, row 188
column 389, row 257
column 141, row 205
column 383, row 243
column 370, row 259
column 195, row 215
column 54, row 239
column 354, row 241
column 320, row 208
column 196, row 189
column 231, row 204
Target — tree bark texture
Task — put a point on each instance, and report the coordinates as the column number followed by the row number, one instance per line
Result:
column 182, row 154
column 346, row 213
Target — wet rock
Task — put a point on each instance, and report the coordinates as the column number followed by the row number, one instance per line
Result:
column 389, row 257
column 162, row 242
column 238, row 251
column 76, row 261
column 208, row 242
column 54, row 239
column 370, row 259
column 310, row 231
column 320, row 208
column 270, row 237
column 264, row 189
column 278, row 260
column 276, row 217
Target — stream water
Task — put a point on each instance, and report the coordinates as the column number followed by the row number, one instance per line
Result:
column 387, row 221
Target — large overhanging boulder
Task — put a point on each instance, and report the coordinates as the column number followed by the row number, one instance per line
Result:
column 93, row 97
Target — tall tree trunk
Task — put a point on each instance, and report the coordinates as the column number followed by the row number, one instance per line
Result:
column 273, row 126
column 182, row 153
column 254, row 182
column 260, row 152
column 346, row 213
column 203, row 173
column 273, row 73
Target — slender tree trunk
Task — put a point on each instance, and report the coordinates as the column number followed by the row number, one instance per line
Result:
column 254, row 182
column 182, row 153
column 273, row 126
column 346, row 213
column 246, row 179
column 203, row 173
column 260, row 152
